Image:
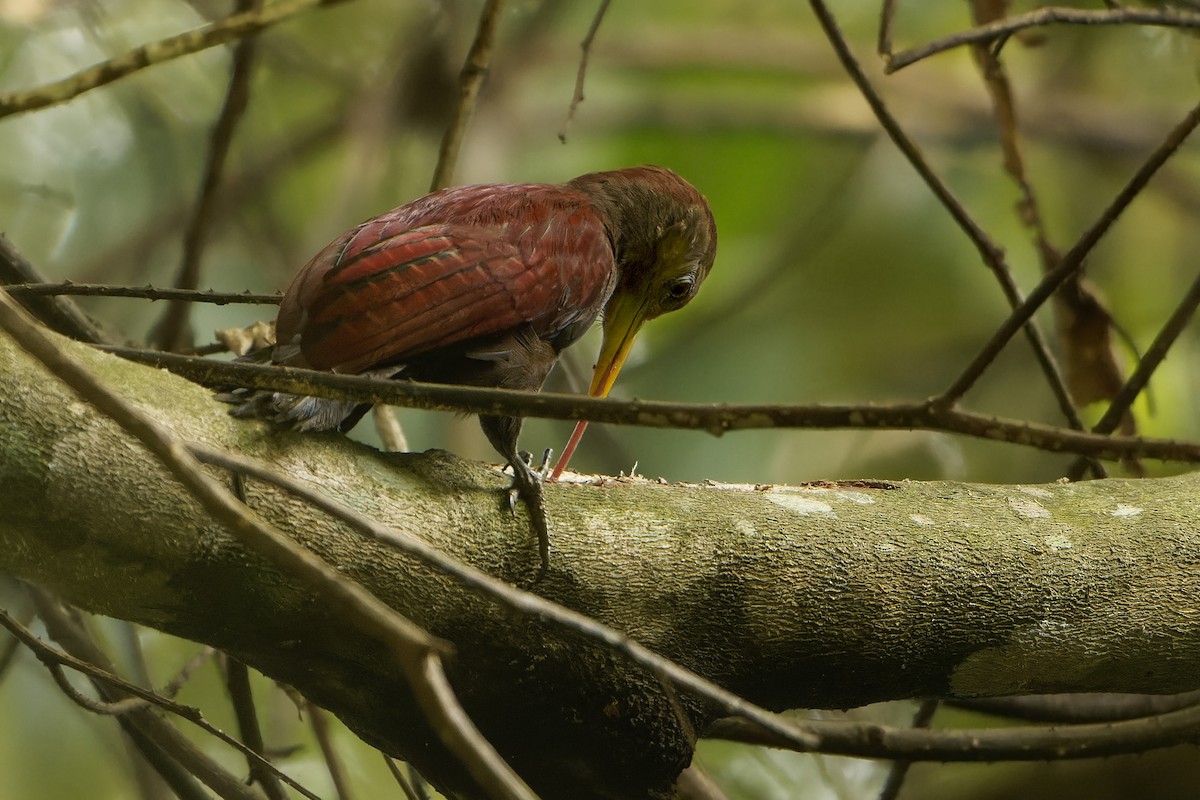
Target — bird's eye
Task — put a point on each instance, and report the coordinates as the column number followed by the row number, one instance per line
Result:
column 680, row 289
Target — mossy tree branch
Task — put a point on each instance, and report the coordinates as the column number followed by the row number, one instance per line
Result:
column 830, row 596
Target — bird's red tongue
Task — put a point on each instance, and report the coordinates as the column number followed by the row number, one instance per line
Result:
column 622, row 319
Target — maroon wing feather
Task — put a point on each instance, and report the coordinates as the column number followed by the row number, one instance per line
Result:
column 453, row 266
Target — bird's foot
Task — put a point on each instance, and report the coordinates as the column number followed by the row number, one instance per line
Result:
column 514, row 491
column 527, row 485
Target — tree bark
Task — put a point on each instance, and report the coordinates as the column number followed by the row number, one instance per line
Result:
column 829, row 595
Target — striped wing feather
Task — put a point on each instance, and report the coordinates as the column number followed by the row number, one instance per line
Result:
column 452, row 267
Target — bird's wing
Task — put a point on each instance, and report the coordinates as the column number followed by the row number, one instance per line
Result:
column 380, row 295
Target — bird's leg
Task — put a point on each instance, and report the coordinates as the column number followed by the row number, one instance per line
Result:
column 527, row 484
column 502, row 432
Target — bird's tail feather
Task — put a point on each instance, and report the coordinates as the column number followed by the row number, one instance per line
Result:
column 298, row 412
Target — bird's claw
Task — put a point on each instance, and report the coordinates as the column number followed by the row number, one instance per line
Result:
column 544, row 469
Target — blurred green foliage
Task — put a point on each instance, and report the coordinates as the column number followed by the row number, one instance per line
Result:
column 839, row 277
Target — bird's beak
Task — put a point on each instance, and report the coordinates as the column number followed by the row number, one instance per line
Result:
column 623, row 318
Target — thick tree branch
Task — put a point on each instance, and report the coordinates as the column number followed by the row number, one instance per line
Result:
column 844, row 594
column 415, row 653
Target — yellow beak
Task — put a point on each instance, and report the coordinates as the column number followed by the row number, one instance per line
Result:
column 623, row 318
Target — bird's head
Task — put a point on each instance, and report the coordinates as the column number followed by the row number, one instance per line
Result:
column 664, row 240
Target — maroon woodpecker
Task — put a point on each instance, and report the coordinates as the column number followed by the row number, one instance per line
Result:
column 485, row 286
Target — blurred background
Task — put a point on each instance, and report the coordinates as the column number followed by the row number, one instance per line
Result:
column 839, row 276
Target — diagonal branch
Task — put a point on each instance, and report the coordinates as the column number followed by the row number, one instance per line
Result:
column 1072, row 260
column 171, row 754
column 990, row 253
column 232, row 27
column 479, row 61
column 586, row 47
column 62, row 315
column 415, row 651
column 1150, row 361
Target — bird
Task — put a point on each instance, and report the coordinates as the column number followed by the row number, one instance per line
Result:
column 486, row 285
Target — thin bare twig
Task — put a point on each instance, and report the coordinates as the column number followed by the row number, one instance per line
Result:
column 173, row 331
column 1165, row 17
column 898, row 772
column 391, row 433
column 163, row 50
column 1029, row 210
column 237, row 682
column 104, row 708
column 333, row 763
column 146, row 292
column 52, row 656
column 12, row 646
column 411, row 646
column 586, row 47
column 887, row 17
column 172, row 755
column 479, row 61
column 60, row 314
column 1149, row 362
column 1072, row 261
column 991, row 253
column 1022, row 743
column 401, row 780
column 1079, row 708
column 712, row 418
column 177, row 683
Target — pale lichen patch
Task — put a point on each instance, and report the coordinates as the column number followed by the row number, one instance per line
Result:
column 800, row 505
column 1058, row 541
column 917, row 518
column 1123, row 510
column 1028, row 508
